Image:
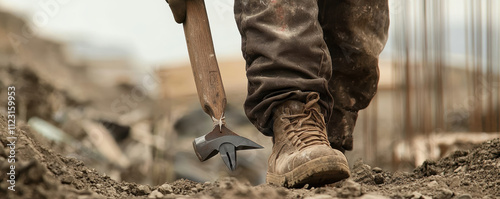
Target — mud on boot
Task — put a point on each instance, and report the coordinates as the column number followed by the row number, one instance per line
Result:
column 301, row 151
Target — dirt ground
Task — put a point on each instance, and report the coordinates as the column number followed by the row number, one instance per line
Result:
column 43, row 173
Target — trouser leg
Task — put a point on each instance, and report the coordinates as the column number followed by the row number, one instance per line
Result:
column 355, row 32
column 286, row 56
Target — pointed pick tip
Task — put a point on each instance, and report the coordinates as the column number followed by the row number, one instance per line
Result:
column 228, row 154
column 229, row 162
column 232, row 167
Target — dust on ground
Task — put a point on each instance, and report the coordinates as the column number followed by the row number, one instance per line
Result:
column 43, row 173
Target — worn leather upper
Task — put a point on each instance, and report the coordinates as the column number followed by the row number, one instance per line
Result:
column 299, row 136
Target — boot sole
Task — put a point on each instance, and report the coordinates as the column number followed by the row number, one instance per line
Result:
column 317, row 172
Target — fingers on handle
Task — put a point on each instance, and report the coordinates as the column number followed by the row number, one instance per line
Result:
column 178, row 8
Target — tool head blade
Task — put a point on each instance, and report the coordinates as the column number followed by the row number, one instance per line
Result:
column 228, row 154
column 222, row 141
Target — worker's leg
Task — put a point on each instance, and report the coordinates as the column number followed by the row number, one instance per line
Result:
column 287, row 58
column 355, row 32
column 288, row 69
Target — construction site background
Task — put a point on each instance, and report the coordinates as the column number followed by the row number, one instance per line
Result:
column 136, row 122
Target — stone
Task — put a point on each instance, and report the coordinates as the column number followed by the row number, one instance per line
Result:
column 465, row 182
column 155, row 194
column 444, row 194
column 350, row 188
column 143, row 190
column 67, row 179
column 462, row 159
column 362, row 172
column 351, row 184
column 199, row 186
column 124, row 188
column 320, row 196
column 111, row 191
column 373, row 196
column 379, row 179
column 377, row 170
column 165, row 189
column 464, row 196
column 433, row 184
column 79, row 174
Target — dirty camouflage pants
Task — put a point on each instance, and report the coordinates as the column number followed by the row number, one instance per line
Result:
column 294, row 47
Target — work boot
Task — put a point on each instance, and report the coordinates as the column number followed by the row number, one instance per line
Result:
column 301, row 150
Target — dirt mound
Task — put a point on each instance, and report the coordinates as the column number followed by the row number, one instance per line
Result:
column 463, row 174
column 42, row 173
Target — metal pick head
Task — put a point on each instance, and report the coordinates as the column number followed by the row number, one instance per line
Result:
column 227, row 152
column 224, row 142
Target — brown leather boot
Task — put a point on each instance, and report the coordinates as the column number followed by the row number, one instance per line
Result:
column 301, row 151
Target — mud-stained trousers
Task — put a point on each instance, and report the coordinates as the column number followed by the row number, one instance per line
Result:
column 294, row 47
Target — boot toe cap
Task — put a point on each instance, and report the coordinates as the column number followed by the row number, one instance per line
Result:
column 309, row 154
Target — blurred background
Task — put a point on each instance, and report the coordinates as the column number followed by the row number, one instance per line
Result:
column 109, row 82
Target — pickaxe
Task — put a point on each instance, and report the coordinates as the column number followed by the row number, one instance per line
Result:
column 193, row 15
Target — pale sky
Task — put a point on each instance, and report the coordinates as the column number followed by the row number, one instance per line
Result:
column 146, row 29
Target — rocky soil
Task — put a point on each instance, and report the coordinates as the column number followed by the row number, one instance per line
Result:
column 42, row 173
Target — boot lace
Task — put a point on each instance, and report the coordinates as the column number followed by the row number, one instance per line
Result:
column 308, row 128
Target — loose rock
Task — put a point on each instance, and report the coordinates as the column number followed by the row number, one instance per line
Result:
column 379, row 179
column 433, row 184
column 321, row 196
column 155, row 194
column 444, row 194
column 373, row 196
column 143, row 190
column 464, row 196
column 67, row 179
column 377, row 170
column 350, row 188
column 165, row 189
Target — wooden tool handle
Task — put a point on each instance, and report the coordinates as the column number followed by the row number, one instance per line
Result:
column 203, row 62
